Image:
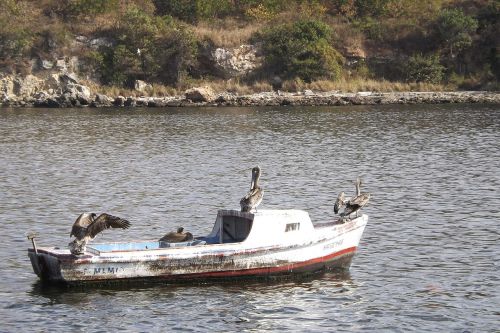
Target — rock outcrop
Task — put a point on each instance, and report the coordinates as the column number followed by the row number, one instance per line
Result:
column 200, row 94
column 236, row 62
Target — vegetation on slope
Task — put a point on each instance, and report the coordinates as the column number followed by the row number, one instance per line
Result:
column 444, row 42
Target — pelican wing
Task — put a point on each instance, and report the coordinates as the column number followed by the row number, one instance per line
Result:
column 360, row 200
column 339, row 202
column 105, row 221
column 81, row 223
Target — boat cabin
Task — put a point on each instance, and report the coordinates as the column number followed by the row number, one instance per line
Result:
column 264, row 226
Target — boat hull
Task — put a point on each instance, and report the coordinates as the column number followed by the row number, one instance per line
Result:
column 332, row 249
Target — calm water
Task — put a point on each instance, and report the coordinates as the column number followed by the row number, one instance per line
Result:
column 428, row 262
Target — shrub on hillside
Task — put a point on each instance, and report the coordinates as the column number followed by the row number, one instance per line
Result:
column 301, row 49
column 421, row 68
column 147, row 47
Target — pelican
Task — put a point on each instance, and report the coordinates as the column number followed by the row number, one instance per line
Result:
column 353, row 204
column 88, row 225
column 177, row 237
column 254, row 197
column 340, row 202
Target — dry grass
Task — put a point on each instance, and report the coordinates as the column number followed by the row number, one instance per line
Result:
column 227, row 33
column 237, row 87
column 356, row 85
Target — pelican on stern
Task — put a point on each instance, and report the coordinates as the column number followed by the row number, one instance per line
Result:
column 88, row 225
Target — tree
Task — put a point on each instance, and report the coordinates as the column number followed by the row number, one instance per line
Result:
column 302, row 49
column 455, row 30
column 420, row 68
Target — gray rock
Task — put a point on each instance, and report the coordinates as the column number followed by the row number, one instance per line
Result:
column 81, row 39
column 130, row 102
column 68, row 78
column 46, row 64
column 101, row 41
column 142, row 86
column 78, row 90
column 119, row 101
column 200, row 94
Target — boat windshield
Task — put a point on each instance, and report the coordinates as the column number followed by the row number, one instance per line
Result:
column 235, row 228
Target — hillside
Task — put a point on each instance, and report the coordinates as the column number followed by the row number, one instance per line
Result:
column 161, row 47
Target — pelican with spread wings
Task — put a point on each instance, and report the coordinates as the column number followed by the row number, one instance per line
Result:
column 88, row 225
column 354, row 204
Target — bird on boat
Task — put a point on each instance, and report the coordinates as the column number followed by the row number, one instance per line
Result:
column 354, row 204
column 254, row 197
column 88, row 225
column 177, row 237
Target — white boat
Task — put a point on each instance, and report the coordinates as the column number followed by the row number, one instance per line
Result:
column 267, row 243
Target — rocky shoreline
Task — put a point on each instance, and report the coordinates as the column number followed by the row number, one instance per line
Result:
column 68, row 91
column 307, row 98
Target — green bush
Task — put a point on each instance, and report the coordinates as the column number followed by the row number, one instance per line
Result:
column 147, row 47
column 302, row 49
column 420, row 68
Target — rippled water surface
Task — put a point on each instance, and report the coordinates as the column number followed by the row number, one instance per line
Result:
column 428, row 261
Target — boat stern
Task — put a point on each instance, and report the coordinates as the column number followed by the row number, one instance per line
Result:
column 45, row 266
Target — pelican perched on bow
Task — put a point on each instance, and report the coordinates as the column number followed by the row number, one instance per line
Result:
column 353, row 204
column 254, row 197
column 88, row 225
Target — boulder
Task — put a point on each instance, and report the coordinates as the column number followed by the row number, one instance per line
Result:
column 102, row 100
column 46, row 64
column 142, row 86
column 77, row 90
column 130, row 101
column 119, row 101
column 200, row 94
column 101, row 41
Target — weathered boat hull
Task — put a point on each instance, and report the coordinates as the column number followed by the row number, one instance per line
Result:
column 330, row 247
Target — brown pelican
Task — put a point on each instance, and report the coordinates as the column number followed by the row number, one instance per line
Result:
column 353, row 204
column 254, row 197
column 177, row 237
column 87, row 226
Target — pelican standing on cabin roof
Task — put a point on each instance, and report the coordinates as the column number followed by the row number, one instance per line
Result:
column 87, row 226
column 254, row 197
column 353, row 204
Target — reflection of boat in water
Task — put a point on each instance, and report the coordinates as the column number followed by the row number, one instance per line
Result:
column 267, row 243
